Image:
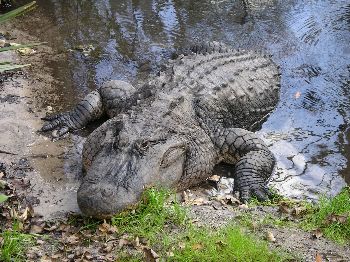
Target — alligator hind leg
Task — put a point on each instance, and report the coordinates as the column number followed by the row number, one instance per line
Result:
column 112, row 98
column 254, row 161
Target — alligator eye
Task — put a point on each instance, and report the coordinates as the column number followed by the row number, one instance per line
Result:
column 172, row 155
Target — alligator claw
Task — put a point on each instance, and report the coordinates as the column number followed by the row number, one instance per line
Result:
column 60, row 132
column 58, row 123
column 261, row 192
column 50, row 126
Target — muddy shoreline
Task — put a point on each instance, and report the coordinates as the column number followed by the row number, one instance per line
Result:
column 25, row 98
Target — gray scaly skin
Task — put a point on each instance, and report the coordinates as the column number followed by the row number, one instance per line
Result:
column 175, row 130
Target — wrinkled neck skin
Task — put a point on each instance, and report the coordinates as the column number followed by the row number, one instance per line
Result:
column 153, row 148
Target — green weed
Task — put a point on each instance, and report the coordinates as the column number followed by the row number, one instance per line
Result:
column 332, row 216
column 151, row 215
column 155, row 219
column 14, row 244
column 226, row 244
column 84, row 223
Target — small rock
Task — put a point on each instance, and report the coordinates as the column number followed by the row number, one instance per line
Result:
column 243, row 206
column 2, row 42
column 270, row 237
column 35, row 229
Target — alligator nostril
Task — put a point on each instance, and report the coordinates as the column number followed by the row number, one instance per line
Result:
column 106, row 192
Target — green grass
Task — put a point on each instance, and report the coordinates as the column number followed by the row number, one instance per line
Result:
column 16, row 47
column 84, row 223
column 14, row 244
column 151, row 216
column 229, row 243
column 325, row 210
column 8, row 66
column 19, row 11
column 168, row 229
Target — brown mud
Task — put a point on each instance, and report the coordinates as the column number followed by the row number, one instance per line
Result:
column 25, row 98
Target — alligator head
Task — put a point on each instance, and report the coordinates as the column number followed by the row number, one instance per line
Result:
column 125, row 166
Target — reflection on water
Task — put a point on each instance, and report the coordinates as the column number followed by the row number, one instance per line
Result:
column 309, row 130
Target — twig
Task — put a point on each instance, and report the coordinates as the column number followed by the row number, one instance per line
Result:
column 7, row 153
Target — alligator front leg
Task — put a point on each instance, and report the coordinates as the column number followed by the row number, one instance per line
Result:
column 87, row 110
column 112, row 98
column 254, row 161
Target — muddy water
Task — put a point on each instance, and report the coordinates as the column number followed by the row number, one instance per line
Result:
column 309, row 130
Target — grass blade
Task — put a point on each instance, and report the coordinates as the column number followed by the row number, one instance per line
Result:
column 17, row 12
column 14, row 47
column 8, row 66
column 3, row 198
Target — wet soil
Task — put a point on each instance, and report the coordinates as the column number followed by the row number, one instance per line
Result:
column 53, row 179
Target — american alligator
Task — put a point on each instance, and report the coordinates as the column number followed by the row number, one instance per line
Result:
column 195, row 116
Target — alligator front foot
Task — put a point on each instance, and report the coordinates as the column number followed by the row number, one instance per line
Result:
column 252, row 188
column 59, row 124
column 254, row 165
column 87, row 110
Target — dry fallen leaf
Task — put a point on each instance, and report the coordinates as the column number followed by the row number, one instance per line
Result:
column 297, row 95
column 13, row 213
column 297, row 211
column 333, row 218
column 197, row 246
column 181, row 245
column 317, row 233
column 64, row 227
column 137, row 242
column 45, row 259
column 318, row 258
column 108, row 247
column 185, row 197
column 87, row 255
column 214, row 178
column 25, row 215
column 284, row 208
column 107, row 228
column 270, row 237
column 123, row 242
column 56, row 256
column 36, row 229
column 197, row 202
column 26, row 51
column 150, row 255
column 72, row 240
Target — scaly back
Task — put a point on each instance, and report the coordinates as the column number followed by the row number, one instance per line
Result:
column 237, row 88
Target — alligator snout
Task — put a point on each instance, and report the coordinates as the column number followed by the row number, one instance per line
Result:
column 103, row 200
